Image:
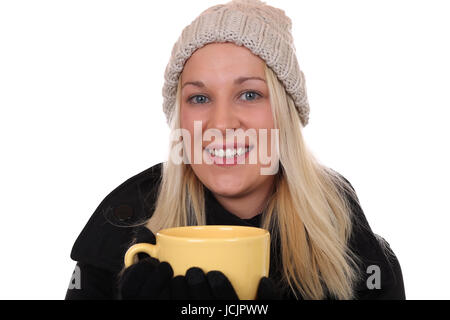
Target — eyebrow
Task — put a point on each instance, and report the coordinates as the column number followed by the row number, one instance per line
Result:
column 236, row 81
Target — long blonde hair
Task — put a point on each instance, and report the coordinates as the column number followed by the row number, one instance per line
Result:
column 307, row 211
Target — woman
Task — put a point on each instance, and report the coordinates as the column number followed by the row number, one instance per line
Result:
column 233, row 73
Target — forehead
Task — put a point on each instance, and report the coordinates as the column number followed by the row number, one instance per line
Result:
column 222, row 60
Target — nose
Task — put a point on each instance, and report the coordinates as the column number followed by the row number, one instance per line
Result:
column 223, row 116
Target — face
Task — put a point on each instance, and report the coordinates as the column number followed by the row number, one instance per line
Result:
column 224, row 87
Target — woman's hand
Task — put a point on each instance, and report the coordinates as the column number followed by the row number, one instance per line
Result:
column 267, row 290
column 148, row 278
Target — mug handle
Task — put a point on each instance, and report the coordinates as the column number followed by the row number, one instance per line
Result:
column 150, row 249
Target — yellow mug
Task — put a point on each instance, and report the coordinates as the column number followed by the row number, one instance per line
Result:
column 241, row 253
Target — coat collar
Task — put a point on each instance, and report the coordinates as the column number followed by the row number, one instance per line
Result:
column 216, row 214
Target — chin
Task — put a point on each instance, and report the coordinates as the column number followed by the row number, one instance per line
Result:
column 226, row 182
column 228, row 188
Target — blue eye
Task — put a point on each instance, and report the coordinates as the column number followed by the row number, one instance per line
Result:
column 250, row 94
column 201, row 99
column 197, row 101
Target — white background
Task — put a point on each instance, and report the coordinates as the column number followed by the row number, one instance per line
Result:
column 81, row 111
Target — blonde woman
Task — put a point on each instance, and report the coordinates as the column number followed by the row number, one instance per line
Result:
column 234, row 75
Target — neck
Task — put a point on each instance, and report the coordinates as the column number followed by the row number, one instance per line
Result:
column 247, row 206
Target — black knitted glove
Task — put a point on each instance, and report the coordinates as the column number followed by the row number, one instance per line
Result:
column 267, row 290
column 211, row 286
column 148, row 278
column 215, row 285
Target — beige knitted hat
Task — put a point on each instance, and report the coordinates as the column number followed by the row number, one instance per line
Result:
column 263, row 29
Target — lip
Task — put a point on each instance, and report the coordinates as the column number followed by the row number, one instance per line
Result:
column 224, row 162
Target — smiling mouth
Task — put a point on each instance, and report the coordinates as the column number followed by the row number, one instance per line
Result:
column 229, row 156
column 229, row 152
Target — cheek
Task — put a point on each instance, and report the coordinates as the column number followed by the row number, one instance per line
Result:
column 187, row 121
column 260, row 117
column 191, row 117
column 192, row 135
column 185, row 118
column 267, row 118
column 262, row 121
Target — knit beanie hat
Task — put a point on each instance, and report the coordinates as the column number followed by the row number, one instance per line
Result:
column 263, row 29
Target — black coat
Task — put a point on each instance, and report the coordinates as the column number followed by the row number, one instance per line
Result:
column 100, row 248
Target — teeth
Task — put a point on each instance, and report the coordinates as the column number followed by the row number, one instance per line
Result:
column 228, row 153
